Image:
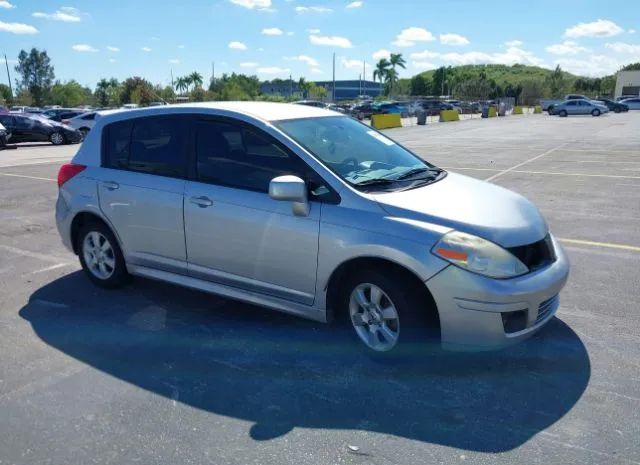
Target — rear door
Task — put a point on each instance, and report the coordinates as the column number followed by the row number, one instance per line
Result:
column 141, row 188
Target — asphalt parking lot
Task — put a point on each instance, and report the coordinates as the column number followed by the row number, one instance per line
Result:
column 163, row 375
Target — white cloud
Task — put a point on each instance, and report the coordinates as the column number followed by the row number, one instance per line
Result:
column 313, row 31
column 598, row 28
column 332, row 41
column 514, row 43
column 623, row 48
column 566, row 48
column 180, row 46
column 84, row 48
column 592, row 66
column 380, row 54
column 305, row 59
column 18, row 28
column 113, row 49
column 272, row 31
column 260, row 49
column 174, row 61
column 423, row 65
column 290, row 33
column 453, row 39
column 631, row 31
column 251, row 4
column 356, row 4
column 5, row 4
column 146, row 49
column 352, row 64
column 409, row 36
column 112, row 60
column 316, row 71
column 65, row 14
column 313, row 9
column 237, row 45
column 511, row 56
column 249, row 64
column 273, row 70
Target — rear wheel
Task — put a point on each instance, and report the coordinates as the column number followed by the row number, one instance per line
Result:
column 57, row 138
column 595, row 112
column 84, row 132
column 616, row 110
column 562, row 113
column 100, row 256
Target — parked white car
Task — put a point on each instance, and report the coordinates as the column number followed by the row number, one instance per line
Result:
column 83, row 123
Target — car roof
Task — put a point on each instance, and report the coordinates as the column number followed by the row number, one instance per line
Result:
column 266, row 111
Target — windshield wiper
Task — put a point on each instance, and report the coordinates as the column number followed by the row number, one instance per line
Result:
column 374, row 182
column 414, row 171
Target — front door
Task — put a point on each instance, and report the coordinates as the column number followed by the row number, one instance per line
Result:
column 236, row 234
column 141, row 189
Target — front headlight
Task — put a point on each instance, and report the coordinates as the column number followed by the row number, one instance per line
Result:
column 478, row 255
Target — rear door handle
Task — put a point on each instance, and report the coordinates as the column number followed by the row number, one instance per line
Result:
column 111, row 185
column 202, row 202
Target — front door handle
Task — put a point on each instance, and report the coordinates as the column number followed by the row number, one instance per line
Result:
column 111, row 185
column 202, row 202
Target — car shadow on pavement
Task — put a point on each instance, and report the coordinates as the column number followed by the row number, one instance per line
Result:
column 282, row 372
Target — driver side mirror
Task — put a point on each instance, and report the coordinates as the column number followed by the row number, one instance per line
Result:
column 291, row 189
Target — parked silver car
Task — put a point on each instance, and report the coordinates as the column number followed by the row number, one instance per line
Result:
column 580, row 107
column 310, row 212
column 632, row 103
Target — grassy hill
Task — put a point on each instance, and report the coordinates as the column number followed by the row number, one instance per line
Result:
column 513, row 75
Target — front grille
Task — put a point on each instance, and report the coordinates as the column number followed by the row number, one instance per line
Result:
column 545, row 308
column 536, row 255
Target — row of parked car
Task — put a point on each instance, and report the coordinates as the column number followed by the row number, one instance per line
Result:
column 56, row 125
column 575, row 104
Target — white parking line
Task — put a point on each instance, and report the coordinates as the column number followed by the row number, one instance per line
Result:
column 30, row 254
column 49, row 268
column 27, row 177
column 550, row 173
column 631, row 248
column 515, row 167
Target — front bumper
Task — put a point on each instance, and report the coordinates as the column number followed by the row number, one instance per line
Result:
column 470, row 306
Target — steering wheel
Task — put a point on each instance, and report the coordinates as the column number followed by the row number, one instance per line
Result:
column 351, row 161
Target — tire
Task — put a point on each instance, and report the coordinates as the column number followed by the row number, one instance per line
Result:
column 595, row 112
column 562, row 113
column 616, row 110
column 104, row 265
column 382, row 312
column 57, row 138
column 550, row 110
column 84, row 132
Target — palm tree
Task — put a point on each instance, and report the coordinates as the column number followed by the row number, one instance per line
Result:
column 396, row 60
column 102, row 92
column 196, row 79
column 382, row 68
column 181, row 84
column 390, row 78
column 188, row 81
column 304, row 87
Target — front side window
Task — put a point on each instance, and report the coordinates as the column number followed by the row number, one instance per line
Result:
column 358, row 154
column 234, row 156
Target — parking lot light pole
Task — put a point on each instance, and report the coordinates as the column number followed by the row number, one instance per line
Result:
column 6, row 63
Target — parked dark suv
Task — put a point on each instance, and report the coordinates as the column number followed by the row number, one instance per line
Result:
column 433, row 107
column 30, row 128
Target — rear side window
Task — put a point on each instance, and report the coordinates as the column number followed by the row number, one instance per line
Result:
column 154, row 145
column 89, row 117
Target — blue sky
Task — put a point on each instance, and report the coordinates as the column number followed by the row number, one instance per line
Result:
column 89, row 40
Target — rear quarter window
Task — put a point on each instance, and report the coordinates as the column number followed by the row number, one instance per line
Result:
column 116, row 143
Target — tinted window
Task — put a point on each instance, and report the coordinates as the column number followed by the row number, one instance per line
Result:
column 5, row 120
column 89, row 117
column 116, row 144
column 158, row 146
column 234, row 156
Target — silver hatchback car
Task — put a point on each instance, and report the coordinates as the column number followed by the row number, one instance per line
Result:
column 309, row 212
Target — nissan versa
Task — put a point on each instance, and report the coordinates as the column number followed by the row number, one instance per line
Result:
column 310, row 212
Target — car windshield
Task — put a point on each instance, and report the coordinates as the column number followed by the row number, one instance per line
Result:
column 357, row 153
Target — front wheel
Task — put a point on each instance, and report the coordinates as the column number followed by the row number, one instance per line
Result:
column 383, row 312
column 100, row 256
column 595, row 112
column 57, row 138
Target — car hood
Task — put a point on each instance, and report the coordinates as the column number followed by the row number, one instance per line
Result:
column 468, row 205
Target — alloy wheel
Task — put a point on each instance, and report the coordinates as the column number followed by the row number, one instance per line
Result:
column 374, row 317
column 99, row 255
column 57, row 138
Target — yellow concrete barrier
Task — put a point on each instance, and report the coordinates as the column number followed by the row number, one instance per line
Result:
column 537, row 110
column 517, row 110
column 493, row 112
column 449, row 115
column 391, row 120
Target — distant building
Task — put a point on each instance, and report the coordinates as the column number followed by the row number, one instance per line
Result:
column 345, row 90
column 350, row 90
column 628, row 83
